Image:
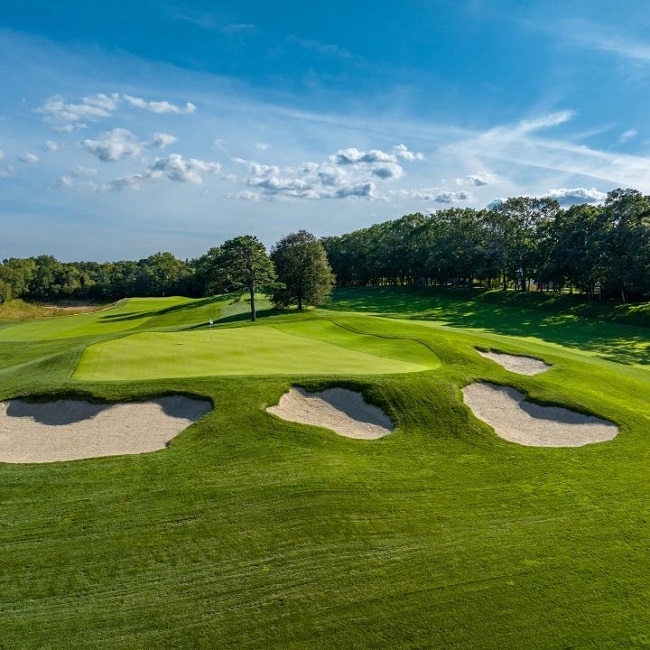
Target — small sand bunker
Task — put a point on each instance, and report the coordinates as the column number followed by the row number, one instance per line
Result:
column 32, row 432
column 343, row 411
column 518, row 364
column 526, row 423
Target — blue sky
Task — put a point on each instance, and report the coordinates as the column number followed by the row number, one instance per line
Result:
column 128, row 128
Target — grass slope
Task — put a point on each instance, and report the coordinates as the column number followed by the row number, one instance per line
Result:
column 617, row 333
column 251, row 532
column 126, row 315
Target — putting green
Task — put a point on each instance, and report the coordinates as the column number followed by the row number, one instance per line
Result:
column 260, row 350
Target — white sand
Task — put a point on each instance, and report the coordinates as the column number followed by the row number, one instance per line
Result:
column 520, row 365
column 73, row 429
column 526, row 423
column 343, row 411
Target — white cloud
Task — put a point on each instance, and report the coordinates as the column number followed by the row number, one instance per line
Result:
column 2, row 154
column 219, row 143
column 7, row 172
column 539, row 123
column 84, row 171
column 115, row 145
column 108, row 103
column 172, row 168
column 159, row 106
column 119, row 144
column 495, row 203
column 422, row 194
column 133, row 182
column 522, row 145
column 452, row 197
column 478, row 180
column 28, row 158
column 262, row 146
column 71, row 182
column 68, row 116
column 402, row 152
column 359, row 190
column 247, row 196
column 348, row 173
column 380, row 164
column 577, row 195
column 162, row 140
column 52, row 145
column 176, row 168
column 64, row 181
column 389, row 170
column 628, row 135
column 353, row 156
column 604, row 38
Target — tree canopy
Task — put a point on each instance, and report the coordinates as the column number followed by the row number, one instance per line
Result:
column 242, row 262
column 600, row 250
column 304, row 273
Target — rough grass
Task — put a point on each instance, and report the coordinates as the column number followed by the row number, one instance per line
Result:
column 250, row 532
column 22, row 310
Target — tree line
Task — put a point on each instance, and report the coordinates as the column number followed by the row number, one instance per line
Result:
column 520, row 243
column 296, row 272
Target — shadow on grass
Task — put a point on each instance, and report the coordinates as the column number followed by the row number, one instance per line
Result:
column 551, row 319
column 240, row 317
column 185, row 307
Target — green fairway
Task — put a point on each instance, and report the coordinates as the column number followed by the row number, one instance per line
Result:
column 131, row 314
column 250, row 532
column 123, row 316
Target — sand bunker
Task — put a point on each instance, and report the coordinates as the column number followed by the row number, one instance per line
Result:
column 513, row 363
column 343, row 411
column 526, row 423
column 33, row 432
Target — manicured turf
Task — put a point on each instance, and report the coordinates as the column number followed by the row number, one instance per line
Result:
column 251, row 532
column 244, row 351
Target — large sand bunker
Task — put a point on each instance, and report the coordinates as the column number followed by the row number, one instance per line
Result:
column 343, row 411
column 526, row 423
column 519, row 364
column 34, row 432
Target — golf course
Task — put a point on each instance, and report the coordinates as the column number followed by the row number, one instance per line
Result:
column 242, row 528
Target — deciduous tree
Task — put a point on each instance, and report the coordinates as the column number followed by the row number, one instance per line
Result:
column 304, row 273
column 243, row 263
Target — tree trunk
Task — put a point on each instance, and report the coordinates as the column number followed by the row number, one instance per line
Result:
column 251, row 289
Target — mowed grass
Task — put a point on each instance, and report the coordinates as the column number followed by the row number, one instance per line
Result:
column 131, row 314
column 289, row 350
column 250, row 532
